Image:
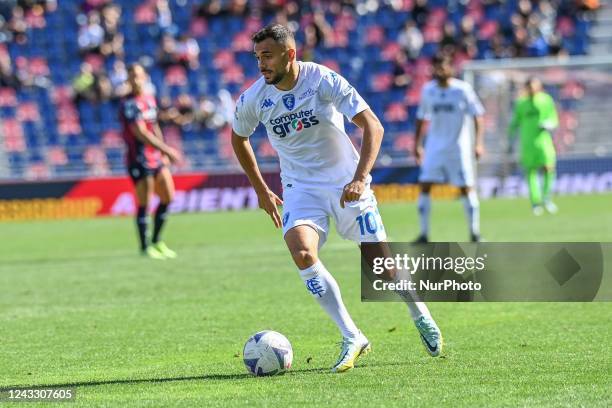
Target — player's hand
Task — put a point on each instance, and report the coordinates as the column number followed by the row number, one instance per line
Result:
column 269, row 202
column 479, row 151
column 352, row 192
column 418, row 154
column 173, row 155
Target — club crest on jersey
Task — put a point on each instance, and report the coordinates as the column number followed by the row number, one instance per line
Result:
column 267, row 104
column 289, row 101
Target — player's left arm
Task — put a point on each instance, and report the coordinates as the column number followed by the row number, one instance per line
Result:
column 477, row 111
column 158, row 132
column 550, row 120
column 370, row 146
column 478, row 136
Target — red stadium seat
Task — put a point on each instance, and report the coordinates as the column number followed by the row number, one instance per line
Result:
column 487, row 30
column 382, row 82
column 8, row 97
column 331, row 64
column 375, row 35
column 39, row 66
column 198, row 28
column 112, row 139
column 145, row 14
column 57, row 156
column 242, row 42
column 13, row 135
column 390, row 51
column 28, row 112
column 176, row 76
column 396, row 112
column 94, row 154
column 233, row 75
column 404, row 142
column 223, row 59
column 37, row 171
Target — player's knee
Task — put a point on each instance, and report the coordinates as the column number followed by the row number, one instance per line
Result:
column 304, row 258
column 425, row 188
column 167, row 198
column 464, row 190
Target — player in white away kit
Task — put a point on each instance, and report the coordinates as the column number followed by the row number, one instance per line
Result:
column 446, row 103
column 302, row 107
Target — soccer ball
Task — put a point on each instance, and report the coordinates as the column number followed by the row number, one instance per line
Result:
column 267, row 353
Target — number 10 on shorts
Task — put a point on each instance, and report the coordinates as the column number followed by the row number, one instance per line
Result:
column 368, row 222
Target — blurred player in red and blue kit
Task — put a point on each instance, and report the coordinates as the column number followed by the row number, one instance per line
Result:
column 148, row 158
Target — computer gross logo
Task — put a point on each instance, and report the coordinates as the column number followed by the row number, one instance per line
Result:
column 283, row 125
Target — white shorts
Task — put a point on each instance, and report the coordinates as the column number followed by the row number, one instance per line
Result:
column 441, row 168
column 358, row 221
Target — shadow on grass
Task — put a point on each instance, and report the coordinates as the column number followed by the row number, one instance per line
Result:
column 209, row 377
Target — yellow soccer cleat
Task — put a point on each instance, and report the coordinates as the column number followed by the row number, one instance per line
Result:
column 163, row 249
column 352, row 349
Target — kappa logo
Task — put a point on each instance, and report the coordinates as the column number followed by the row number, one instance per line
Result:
column 267, row 104
column 309, row 92
column 289, row 101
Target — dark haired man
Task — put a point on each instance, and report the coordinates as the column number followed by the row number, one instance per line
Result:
column 147, row 160
column 448, row 156
column 302, row 105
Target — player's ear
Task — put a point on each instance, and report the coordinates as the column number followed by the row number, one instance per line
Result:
column 292, row 54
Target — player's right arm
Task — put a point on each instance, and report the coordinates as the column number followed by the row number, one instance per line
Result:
column 513, row 126
column 138, row 127
column 245, row 122
column 418, row 140
column 268, row 201
column 423, row 115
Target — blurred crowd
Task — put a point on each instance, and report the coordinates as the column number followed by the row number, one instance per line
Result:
column 532, row 28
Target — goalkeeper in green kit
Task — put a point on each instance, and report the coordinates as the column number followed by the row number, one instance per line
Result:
column 535, row 117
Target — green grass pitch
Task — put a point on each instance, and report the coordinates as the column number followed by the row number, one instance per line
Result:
column 79, row 307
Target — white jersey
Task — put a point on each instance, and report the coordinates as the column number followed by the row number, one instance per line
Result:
column 305, row 125
column 448, row 110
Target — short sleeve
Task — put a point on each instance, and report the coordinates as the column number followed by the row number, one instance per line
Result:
column 335, row 89
column 424, row 109
column 131, row 111
column 245, row 120
column 473, row 103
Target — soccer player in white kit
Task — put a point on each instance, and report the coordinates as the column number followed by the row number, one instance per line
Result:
column 448, row 157
column 302, row 107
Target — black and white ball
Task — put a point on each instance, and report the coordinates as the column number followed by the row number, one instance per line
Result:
column 267, row 353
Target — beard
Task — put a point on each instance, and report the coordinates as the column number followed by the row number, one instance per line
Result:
column 275, row 79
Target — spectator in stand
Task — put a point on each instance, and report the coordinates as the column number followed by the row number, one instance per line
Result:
column 164, row 18
column 401, row 76
column 520, row 43
column 118, row 80
column 7, row 75
column 113, row 39
column 187, row 52
column 90, row 5
column 468, row 42
column 239, row 7
column 497, row 47
column 185, row 110
column 166, row 55
column 91, row 34
column 89, row 86
column 450, row 40
column 167, row 113
column 18, row 26
column 420, row 12
column 411, row 40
